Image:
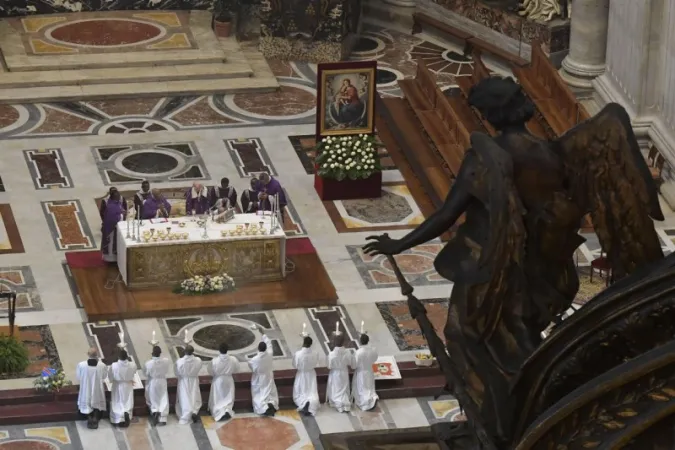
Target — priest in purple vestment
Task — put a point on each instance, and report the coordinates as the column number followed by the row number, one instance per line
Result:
column 223, row 196
column 140, row 197
column 197, row 200
column 269, row 188
column 104, row 202
column 249, row 198
column 155, row 206
column 115, row 210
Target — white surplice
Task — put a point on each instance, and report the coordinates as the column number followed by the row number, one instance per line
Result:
column 305, row 388
column 363, row 382
column 221, row 397
column 337, row 390
column 263, row 388
column 92, row 392
column 188, row 396
column 156, row 395
column 121, row 374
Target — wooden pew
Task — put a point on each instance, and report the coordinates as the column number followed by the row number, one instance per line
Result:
column 469, row 41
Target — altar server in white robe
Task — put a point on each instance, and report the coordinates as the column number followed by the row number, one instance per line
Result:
column 121, row 374
column 339, row 361
column 305, row 389
column 221, row 397
column 363, row 382
column 91, row 399
column 156, row 395
column 188, row 396
column 263, row 388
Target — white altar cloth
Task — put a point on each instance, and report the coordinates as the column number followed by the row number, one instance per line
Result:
column 195, row 234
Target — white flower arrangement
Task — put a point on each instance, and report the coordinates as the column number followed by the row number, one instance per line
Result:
column 208, row 284
column 51, row 380
column 353, row 157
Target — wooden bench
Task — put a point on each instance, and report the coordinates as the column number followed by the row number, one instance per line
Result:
column 550, row 93
column 468, row 41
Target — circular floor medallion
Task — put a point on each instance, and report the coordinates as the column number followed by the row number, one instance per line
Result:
column 212, row 336
column 150, row 162
column 455, row 57
column 385, row 76
column 106, row 33
column 365, row 44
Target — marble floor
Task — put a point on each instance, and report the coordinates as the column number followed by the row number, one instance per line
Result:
column 58, row 158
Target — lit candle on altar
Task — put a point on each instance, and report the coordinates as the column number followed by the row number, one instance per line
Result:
column 153, row 335
column 304, row 328
column 362, row 323
column 337, row 327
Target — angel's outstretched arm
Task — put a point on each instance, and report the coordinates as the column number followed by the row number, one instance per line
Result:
column 454, row 206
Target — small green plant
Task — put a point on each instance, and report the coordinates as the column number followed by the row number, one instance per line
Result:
column 13, row 355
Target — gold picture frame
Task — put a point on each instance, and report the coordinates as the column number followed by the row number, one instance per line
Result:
column 346, row 98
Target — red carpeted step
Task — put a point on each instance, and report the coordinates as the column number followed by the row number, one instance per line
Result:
column 64, row 407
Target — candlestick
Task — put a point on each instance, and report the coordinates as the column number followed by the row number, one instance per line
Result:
column 186, row 337
column 337, row 327
column 304, row 328
column 362, row 323
column 153, row 335
column 128, row 225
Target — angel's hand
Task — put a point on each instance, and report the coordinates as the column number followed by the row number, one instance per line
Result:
column 382, row 245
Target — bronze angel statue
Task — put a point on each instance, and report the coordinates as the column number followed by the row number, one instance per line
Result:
column 511, row 260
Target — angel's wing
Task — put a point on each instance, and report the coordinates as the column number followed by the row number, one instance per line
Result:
column 500, row 272
column 610, row 179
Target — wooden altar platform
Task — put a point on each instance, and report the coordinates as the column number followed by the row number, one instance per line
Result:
column 105, row 297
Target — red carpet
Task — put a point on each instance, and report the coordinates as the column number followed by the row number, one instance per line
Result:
column 92, row 258
column 84, row 260
column 299, row 246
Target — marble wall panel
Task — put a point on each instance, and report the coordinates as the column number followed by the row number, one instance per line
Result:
column 25, row 7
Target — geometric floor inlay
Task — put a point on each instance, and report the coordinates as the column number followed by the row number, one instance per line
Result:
column 21, row 281
column 68, row 225
column 416, row 264
column 405, row 330
column 48, row 168
column 394, row 210
column 133, row 163
column 10, row 239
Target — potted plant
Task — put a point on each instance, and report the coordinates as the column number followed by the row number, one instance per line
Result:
column 13, row 355
column 223, row 16
column 348, row 167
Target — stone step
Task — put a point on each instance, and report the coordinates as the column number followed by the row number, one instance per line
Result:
column 119, row 75
column 135, row 90
column 23, row 63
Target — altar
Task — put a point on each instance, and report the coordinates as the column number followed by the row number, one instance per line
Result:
column 169, row 251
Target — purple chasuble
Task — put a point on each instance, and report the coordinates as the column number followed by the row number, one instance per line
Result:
column 151, row 206
column 197, row 202
column 113, row 213
column 271, row 189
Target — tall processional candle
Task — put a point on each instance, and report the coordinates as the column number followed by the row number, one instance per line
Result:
column 186, row 337
column 304, row 328
column 128, row 224
column 362, row 323
column 337, row 327
column 153, row 335
column 121, row 335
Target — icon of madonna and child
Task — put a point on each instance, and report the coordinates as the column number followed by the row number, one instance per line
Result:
column 346, row 103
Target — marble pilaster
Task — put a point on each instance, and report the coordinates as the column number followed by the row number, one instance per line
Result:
column 588, row 43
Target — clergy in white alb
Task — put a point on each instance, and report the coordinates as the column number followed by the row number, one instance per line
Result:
column 337, row 390
column 363, row 382
column 91, row 399
column 121, row 374
column 305, row 389
column 221, row 397
column 188, row 396
column 156, row 394
column 263, row 388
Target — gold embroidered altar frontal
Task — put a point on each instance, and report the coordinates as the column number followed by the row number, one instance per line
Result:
column 256, row 260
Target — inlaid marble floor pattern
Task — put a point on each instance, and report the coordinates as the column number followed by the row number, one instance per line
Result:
column 57, row 159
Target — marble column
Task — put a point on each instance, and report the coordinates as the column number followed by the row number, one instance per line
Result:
column 588, row 43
